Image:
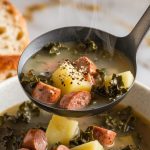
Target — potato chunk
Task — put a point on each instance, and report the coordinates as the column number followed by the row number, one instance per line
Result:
column 68, row 79
column 94, row 145
column 127, row 79
column 61, row 129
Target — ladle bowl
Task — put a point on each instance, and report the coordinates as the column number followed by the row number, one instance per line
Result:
column 128, row 45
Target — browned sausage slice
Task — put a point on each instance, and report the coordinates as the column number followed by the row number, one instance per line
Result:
column 46, row 93
column 85, row 65
column 75, row 100
column 89, row 78
column 35, row 139
column 104, row 136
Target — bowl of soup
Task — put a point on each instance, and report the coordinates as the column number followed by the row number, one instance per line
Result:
column 24, row 125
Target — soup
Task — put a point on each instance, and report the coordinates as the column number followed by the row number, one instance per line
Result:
column 43, row 61
column 81, row 75
column 132, row 129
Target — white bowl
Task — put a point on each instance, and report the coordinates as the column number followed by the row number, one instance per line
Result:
column 11, row 94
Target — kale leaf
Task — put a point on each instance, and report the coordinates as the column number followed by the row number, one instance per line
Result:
column 122, row 121
column 30, row 79
column 115, row 88
column 83, row 137
column 55, row 48
column 26, row 111
column 87, row 45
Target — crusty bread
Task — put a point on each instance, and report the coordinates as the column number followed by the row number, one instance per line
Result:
column 13, row 38
column 8, row 66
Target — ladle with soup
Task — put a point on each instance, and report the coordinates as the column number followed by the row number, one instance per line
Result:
column 71, row 72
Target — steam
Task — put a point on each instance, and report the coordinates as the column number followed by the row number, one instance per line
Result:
column 91, row 8
column 109, row 42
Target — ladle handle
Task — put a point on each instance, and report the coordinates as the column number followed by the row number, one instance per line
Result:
column 140, row 29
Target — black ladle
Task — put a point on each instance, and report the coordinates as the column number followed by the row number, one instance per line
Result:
column 127, row 45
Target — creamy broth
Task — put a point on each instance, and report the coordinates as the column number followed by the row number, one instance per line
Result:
column 42, row 61
column 122, row 140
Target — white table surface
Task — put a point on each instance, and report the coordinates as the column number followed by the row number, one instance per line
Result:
column 115, row 16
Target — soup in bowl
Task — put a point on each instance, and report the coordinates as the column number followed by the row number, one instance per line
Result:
column 23, row 116
column 27, row 127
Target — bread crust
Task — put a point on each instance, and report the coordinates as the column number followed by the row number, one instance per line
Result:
column 9, row 62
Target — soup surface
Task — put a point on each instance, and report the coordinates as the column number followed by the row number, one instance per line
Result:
column 114, row 62
column 133, row 134
column 63, row 66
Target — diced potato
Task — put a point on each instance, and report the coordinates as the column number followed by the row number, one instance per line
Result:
column 94, row 145
column 127, row 79
column 61, row 129
column 68, row 79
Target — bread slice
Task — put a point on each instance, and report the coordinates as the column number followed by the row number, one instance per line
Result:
column 8, row 66
column 13, row 38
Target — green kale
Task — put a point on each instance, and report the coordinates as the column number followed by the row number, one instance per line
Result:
column 14, row 127
column 30, row 79
column 26, row 111
column 114, row 90
column 99, row 87
column 55, row 48
column 116, row 87
column 10, row 139
column 122, row 121
column 100, row 77
column 88, row 46
column 83, row 137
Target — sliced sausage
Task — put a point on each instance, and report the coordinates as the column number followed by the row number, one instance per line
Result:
column 35, row 139
column 89, row 78
column 85, row 65
column 61, row 147
column 46, row 93
column 104, row 136
column 75, row 100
